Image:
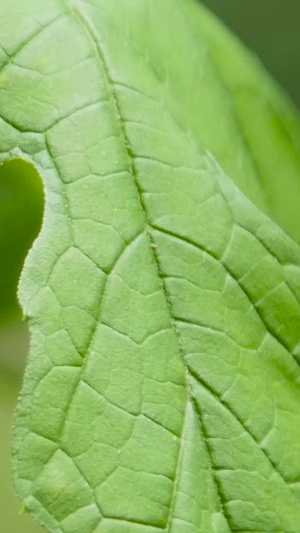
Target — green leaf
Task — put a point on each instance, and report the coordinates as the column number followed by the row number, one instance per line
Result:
column 162, row 391
column 268, row 123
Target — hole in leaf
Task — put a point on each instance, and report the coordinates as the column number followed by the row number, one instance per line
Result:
column 21, row 213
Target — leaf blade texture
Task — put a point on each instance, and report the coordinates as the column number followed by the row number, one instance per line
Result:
column 162, row 391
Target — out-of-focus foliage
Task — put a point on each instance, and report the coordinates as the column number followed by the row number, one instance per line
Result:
column 12, row 518
column 21, row 207
column 271, row 28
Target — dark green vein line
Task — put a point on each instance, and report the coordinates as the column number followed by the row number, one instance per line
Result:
column 110, row 85
column 226, row 406
column 29, row 39
column 282, row 264
column 217, row 482
column 233, row 277
column 93, row 332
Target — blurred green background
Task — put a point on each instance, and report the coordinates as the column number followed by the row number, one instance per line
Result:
column 269, row 27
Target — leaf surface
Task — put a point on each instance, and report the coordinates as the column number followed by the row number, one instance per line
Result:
column 162, row 391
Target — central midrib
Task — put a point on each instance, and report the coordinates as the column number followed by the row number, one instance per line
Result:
column 110, row 86
column 143, row 207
